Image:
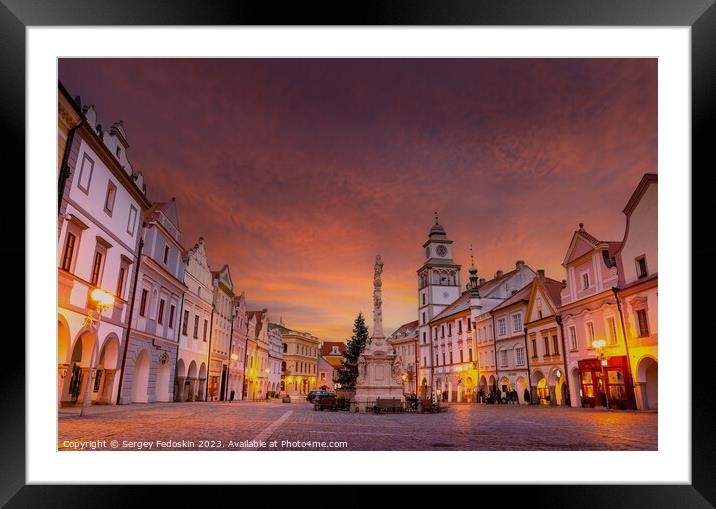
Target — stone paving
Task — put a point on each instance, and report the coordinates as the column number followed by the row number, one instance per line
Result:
column 245, row 425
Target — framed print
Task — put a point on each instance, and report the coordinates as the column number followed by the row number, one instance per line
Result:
column 416, row 247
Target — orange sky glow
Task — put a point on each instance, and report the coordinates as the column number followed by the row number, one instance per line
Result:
column 297, row 172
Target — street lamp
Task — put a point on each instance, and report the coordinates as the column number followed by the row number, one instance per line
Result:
column 103, row 300
column 599, row 345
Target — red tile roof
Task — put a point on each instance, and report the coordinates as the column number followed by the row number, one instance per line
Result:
column 327, row 347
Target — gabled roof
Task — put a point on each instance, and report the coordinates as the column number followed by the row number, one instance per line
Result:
column 460, row 304
column 168, row 208
column 550, row 289
column 259, row 315
column 646, row 180
column 489, row 286
column 583, row 242
column 405, row 329
column 327, row 348
column 522, row 295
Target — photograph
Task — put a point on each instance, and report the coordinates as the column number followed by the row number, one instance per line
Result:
column 357, row 254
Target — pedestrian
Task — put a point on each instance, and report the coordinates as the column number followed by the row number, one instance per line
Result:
column 231, row 396
column 527, row 396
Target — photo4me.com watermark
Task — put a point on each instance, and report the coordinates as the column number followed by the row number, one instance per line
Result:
column 158, row 445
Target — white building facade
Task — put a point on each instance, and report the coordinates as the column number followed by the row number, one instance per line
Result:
column 153, row 347
column 275, row 360
column 194, row 327
column 223, row 299
column 101, row 205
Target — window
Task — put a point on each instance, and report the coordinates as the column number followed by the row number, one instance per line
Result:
column 423, row 317
column 285, row 348
column 83, row 182
column 503, row 358
column 196, row 327
column 96, row 268
column 118, row 151
column 442, row 331
column 573, row 337
column 534, row 347
column 520, row 355
column 166, row 254
column 643, row 324
column 469, row 324
column 132, row 220
column 160, row 314
column 516, row 323
column 459, row 327
column 423, row 299
column 171, row 316
column 206, row 325
column 109, row 198
column 555, row 345
column 641, row 267
column 425, row 361
column 585, row 280
column 143, row 303
column 501, row 327
column 443, row 357
column 120, row 281
column 461, row 356
column 70, row 242
column 590, row 334
column 469, row 351
column 185, row 322
column 450, row 329
column 546, row 346
column 451, row 361
column 424, row 338
column 611, row 330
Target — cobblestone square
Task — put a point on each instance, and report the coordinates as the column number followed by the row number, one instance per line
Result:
column 275, row 426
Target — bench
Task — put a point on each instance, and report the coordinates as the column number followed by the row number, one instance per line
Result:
column 325, row 403
column 392, row 405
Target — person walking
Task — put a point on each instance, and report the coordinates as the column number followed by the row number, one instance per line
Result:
column 231, row 395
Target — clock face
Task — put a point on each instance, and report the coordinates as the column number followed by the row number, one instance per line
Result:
column 446, row 295
column 441, row 250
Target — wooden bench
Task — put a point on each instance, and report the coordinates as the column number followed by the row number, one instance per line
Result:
column 325, row 403
column 392, row 405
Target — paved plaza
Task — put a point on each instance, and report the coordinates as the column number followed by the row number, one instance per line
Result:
column 296, row 426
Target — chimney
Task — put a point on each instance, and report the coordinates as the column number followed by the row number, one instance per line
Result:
column 519, row 264
column 498, row 274
column 540, row 273
column 482, row 280
column 564, row 283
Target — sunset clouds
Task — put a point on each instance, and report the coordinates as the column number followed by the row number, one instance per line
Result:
column 298, row 172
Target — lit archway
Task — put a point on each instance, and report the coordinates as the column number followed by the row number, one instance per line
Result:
column 648, row 378
column 140, row 379
column 161, row 388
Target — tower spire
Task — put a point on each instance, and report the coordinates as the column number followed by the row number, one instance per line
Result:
column 436, row 217
column 474, row 292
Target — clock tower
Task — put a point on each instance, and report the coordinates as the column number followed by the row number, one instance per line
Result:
column 438, row 287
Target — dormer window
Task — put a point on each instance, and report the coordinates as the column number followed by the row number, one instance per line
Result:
column 585, row 280
column 641, row 270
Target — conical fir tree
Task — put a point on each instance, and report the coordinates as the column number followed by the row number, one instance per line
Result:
column 348, row 372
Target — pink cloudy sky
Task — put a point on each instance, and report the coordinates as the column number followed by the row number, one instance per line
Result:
column 298, row 172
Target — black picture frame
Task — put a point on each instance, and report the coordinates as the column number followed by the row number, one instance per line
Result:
column 700, row 15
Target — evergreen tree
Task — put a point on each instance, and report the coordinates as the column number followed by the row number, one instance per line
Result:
column 348, row 372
